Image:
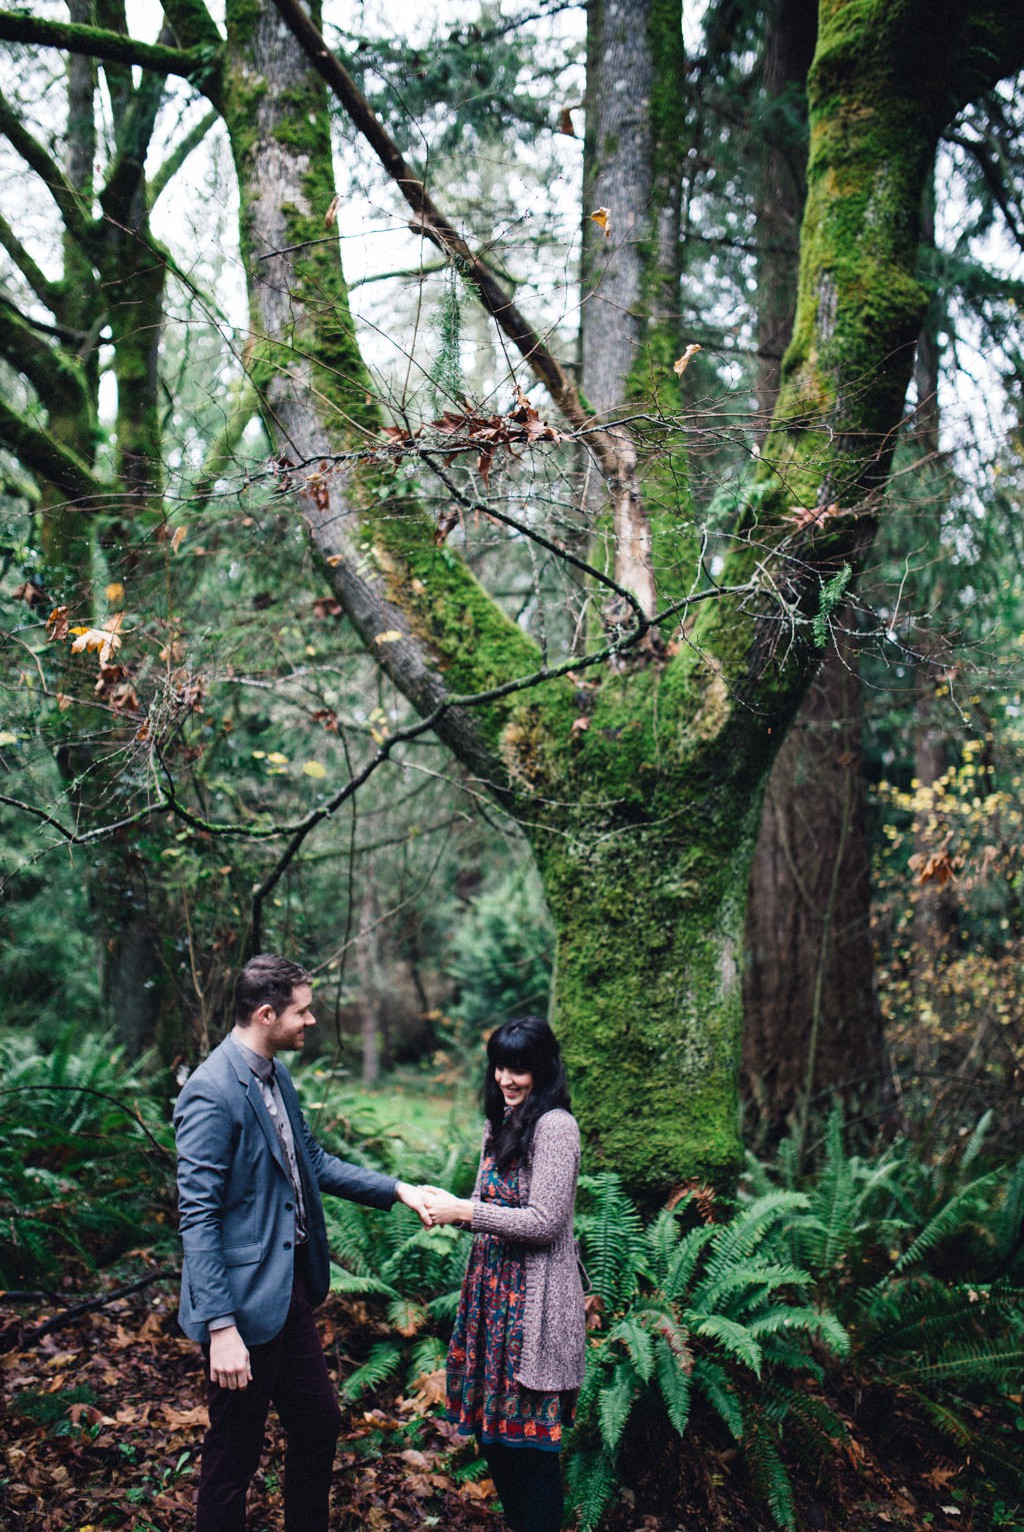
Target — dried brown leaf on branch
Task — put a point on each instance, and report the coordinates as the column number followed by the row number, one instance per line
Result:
column 58, row 624
column 603, row 218
column 32, row 594
column 446, row 522
column 680, row 365
column 484, row 435
column 933, row 867
column 810, row 516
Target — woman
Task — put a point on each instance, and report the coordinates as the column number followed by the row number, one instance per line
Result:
column 516, row 1356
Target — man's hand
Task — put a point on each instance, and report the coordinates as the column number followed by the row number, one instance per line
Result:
column 444, row 1208
column 415, row 1197
column 229, row 1359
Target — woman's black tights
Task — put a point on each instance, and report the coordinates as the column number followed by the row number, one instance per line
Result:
column 529, row 1485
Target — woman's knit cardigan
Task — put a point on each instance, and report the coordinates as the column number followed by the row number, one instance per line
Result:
column 554, row 1327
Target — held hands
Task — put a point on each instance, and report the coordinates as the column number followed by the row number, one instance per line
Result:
column 415, row 1197
column 444, row 1208
column 433, row 1205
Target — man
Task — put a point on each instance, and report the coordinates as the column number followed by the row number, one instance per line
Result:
column 250, row 1175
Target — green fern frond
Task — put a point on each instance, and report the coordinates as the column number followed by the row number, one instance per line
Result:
column 429, row 1354
column 789, row 1320
column 748, row 1281
column 611, row 1233
column 966, row 1364
column 682, row 1265
column 769, row 1473
column 592, row 1482
column 674, row 1381
column 383, row 1362
column 735, row 1339
column 630, row 1333
column 445, row 1306
column 406, row 1315
column 752, row 1225
column 961, row 1207
column 614, row 1406
column 358, row 1284
column 720, row 1392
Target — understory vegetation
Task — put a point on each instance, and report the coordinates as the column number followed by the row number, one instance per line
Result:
column 824, row 1334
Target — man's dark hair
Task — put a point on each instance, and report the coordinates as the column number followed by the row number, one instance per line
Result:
column 526, row 1045
column 266, row 980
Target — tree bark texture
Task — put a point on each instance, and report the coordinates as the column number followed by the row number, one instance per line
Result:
column 812, row 1025
column 630, row 269
column 789, row 49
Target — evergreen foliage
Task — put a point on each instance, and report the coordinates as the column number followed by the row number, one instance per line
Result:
column 921, row 1262
column 86, row 1160
column 697, row 1315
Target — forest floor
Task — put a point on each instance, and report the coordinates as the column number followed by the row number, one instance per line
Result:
column 101, row 1421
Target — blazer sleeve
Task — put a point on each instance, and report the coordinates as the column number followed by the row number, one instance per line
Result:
column 204, row 1133
column 554, row 1167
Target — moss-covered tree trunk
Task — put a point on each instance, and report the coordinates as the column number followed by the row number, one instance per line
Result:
column 811, row 1021
column 640, row 790
column 113, row 281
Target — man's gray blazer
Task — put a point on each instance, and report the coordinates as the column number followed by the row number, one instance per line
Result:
column 236, row 1204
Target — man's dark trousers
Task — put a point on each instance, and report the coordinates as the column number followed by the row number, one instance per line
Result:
column 290, row 1373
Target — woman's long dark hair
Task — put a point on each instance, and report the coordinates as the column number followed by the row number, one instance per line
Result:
column 526, row 1046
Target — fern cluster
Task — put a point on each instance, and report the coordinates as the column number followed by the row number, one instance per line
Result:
column 86, row 1159
column 922, row 1262
column 693, row 1312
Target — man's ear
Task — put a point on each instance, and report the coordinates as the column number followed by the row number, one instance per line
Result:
column 264, row 1014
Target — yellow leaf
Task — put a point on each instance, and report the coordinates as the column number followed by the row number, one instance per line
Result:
column 684, row 361
column 314, row 769
column 277, row 759
column 103, row 640
column 178, row 537
column 389, row 636
column 7, row 738
column 603, row 218
column 114, row 592
column 331, row 215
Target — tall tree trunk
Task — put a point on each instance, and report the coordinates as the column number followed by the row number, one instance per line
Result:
column 811, row 1021
column 368, row 974
column 935, row 904
column 792, row 31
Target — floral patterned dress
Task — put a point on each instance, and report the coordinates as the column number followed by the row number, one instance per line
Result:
column 483, row 1397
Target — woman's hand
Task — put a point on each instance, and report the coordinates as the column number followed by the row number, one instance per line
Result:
column 444, row 1208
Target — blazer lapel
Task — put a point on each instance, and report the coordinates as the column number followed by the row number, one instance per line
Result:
column 254, row 1096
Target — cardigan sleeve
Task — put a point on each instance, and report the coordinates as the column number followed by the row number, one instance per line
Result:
column 554, row 1167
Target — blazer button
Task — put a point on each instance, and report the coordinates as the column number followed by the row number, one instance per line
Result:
column 289, row 1207
column 287, row 1244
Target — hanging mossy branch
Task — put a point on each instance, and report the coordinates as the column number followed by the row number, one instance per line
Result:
column 100, row 43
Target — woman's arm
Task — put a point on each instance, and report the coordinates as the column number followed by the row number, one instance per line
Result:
column 553, row 1171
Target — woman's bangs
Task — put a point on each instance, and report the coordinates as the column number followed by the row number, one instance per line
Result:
column 505, row 1055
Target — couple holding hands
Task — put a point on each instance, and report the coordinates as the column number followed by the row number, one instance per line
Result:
column 250, row 1179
